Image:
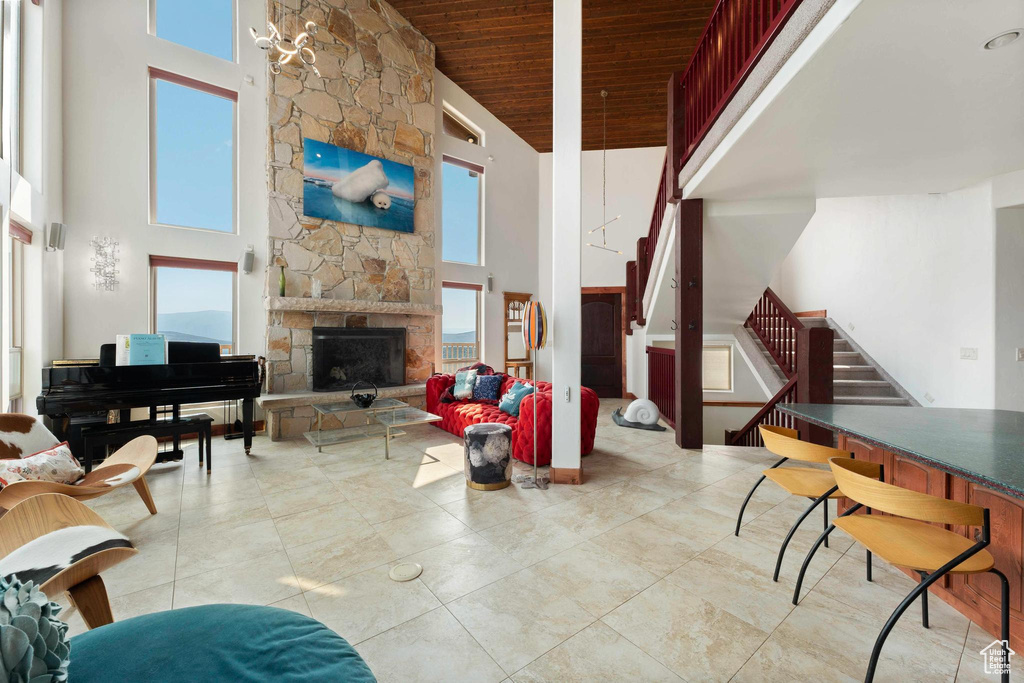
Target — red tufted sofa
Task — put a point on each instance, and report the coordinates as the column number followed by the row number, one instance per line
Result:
column 458, row 415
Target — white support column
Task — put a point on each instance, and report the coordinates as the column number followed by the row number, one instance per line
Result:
column 565, row 241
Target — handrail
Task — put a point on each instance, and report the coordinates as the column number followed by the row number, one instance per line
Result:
column 776, row 326
column 661, row 378
column 769, row 414
column 737, row 34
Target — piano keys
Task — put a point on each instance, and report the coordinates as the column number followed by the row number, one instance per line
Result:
column 76, row 391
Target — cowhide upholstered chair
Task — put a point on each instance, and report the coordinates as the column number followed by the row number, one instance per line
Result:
column 23, row 435
column 62, row 546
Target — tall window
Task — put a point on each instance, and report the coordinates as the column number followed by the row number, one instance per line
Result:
column 194, row 150
column 20, row 236
column 194, row 300
column 462, row 193
column 717, row 367
column 204, row 25
column 460, row 325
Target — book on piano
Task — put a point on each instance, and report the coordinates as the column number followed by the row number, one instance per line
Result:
column 141, row 349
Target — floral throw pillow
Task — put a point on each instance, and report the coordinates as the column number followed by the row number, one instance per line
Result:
column 55, row 464
column 488, row 388
column 464, row 383
column 513, row 397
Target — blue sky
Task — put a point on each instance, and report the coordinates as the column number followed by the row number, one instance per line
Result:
column 184, row 290
column 194, row 158
column 459, row 310
column 204, row 25
column 460, row 214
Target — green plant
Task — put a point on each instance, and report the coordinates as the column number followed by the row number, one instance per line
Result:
column 34, row 644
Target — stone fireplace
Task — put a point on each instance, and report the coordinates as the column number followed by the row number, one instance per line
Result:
column 374, row 95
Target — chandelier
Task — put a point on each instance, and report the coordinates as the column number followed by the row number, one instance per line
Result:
column 283, row 49
column 604, row 182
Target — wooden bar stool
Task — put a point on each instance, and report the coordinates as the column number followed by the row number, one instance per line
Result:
column 910, row 539
column 807, row 482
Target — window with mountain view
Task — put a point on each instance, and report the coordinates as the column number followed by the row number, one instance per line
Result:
column 194, row 300
column 460, row 325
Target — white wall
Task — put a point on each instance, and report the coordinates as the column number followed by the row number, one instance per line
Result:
column 911, row 278
column 1009, row 295
column 106, row 118
column 510, row 214
column 633, row 176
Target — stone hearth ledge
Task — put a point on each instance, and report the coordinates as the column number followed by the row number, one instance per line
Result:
column 308, row 304
column 273, row 402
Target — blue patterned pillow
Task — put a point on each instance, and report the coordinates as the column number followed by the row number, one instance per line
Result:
column 465, row 381
column 513, row 397
column 488, row 388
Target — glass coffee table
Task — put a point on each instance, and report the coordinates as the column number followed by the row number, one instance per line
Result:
column 383, row 420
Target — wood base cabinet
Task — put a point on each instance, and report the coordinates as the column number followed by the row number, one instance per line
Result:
column 977, row 596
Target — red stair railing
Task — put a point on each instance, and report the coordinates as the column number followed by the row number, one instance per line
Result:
column 775, row 325
column 661, row 388
column 769, row 414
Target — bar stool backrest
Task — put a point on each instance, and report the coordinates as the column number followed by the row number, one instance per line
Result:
column 859, row 481
column 784, row 443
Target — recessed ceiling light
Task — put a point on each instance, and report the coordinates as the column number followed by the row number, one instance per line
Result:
column 1003, row 39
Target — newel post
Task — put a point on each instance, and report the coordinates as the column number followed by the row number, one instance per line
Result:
column 689, row 318
column 814, row 377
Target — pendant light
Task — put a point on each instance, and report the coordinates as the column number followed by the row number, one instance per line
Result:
column 604, row 182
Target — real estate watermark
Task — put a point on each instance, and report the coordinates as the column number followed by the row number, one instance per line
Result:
column 997, row 657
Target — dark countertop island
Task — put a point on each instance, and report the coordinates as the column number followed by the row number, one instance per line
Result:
column 983, row 446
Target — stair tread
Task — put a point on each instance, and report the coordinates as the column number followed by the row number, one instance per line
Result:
column 862, row 382
column 871, row 400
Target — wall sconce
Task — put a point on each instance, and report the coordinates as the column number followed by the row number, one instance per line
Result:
column 104, row 263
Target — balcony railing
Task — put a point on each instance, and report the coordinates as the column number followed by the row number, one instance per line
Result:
column 455, row 355
column 737, row 34
column 661, row 377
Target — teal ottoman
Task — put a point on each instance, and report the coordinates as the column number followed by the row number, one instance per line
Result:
column 216, row 643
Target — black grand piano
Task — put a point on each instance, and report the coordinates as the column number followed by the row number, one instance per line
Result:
column 192, row 375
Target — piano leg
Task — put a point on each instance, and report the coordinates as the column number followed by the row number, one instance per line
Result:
column 247, row 406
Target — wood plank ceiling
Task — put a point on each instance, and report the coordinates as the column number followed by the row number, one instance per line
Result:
column 500, row 53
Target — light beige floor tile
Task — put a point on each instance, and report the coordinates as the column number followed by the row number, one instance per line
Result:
column 587, row 516
column 631, row 498
column 146, row 601
column 336, row 557
column 744, row 590
column 517, row 620
column 533, row 538
column 320, row 523
column 689, row 635
column 261, row 581
column 906, row 653
column 212, row 494
column 781, row 661
column 291, row 501
column 282, row 479
column 660, row 482
column 596, row 579
column 487, row 509
column 727, row 500
column 204, row 550
column 220, row 473
column 296, row 603
column 225, row 515
column 431, row 647
column 701, row 527
column 846, row 582
column 645, row 543
column 461, row 566
column 761, row 552
column 596, row 654
column 386, row 504
column 704, row 470
column 365, row 604
column 152, row 566
column 420, row 530
column 972, row 669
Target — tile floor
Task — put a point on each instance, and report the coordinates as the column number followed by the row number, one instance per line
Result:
column 634, row 575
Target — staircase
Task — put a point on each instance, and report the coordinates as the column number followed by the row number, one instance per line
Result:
column 857, row 379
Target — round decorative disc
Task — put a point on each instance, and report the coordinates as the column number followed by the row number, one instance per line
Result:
column 407, row 571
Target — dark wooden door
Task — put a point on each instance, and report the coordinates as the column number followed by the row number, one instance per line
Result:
column 602, row 344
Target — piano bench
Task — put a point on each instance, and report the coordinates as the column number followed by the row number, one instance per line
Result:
column 104, row 435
